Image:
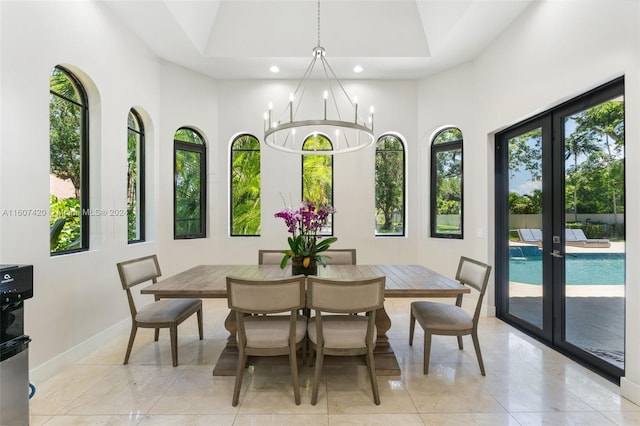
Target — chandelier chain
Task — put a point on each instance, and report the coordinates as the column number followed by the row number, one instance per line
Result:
column 318, row 23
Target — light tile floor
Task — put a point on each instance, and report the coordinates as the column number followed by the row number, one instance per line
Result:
column 526, row 384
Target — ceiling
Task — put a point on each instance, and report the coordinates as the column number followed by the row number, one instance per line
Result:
column 389, row 39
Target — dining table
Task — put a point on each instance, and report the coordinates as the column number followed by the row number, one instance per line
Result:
column 402, row 281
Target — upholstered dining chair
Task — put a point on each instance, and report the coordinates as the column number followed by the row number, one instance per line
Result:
column 339, row 256
column 262, row 334
column 340, row 332
column 164, row 313
column 452, row 320
column 270, row 257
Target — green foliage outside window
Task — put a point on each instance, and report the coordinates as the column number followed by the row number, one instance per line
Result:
column 67, row 107
column 594, row 168
column 135, row 178
column 389, row 168
column 446, row 185
column 317, row 175
column 245, row 186
column 189, row 184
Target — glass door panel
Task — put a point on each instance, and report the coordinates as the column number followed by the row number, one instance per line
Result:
column 594, row 230
column 525, row 225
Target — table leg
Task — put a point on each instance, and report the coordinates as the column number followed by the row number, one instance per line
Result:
column 383, row 354
column 228, row 360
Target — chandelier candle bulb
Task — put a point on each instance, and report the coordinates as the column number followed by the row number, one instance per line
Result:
column 371, row 117
column 326, row 95
column 291, row 107
column 355, row 102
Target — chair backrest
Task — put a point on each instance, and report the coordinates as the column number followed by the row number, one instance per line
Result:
column 340, row 256
column 270, row 257
column 350, row 296
column 140, row 270
column 136, row 271
column 474, row 274
column 266, row 296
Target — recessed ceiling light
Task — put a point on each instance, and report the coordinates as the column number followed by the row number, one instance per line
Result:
column 274, row 69
column 357, row 68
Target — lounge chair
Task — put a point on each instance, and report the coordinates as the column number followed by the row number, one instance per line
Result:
column 531, row 236
column 577, row 238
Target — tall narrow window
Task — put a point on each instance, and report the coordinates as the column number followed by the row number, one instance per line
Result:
column 390, row 176
column 69, row 163
column 190, row 185
column 245, row 186
column 135, row 177
column 446, row 184
column 317, row 175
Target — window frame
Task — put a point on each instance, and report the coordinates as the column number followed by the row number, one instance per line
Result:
column 231, row 186
column 404, row 183
column 141, row 177
column 201, row 150
column 85, row 212
column 438, row 148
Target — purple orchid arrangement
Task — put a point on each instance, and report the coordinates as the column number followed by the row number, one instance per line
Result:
column 304, row 225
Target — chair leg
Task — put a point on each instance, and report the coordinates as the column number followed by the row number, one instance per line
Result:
column 316, row 377
column 199, row 313
column 476, row 344
column 242, row 360
column 371, row 364
column 460, row 342
column 173, row 335
column 412, row 327
column 132, row 337
column 156, row 334
column 427, row 352
column 293, row 365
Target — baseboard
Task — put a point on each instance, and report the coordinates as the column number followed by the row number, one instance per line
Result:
column 491, row 311
column 630, row 390
column 66, row 359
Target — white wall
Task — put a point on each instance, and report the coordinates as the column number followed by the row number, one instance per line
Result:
column 553, row 52
column 76, row 297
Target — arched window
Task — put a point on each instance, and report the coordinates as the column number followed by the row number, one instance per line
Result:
column 245, row 186
column 317, row 175
column 446, row 184
column 69, row 163
column 390, row 186
column 190, row 185
column 135, row 177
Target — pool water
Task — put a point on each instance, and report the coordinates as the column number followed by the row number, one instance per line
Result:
column 583, row 269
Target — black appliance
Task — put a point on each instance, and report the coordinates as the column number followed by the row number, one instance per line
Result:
column 16, row 285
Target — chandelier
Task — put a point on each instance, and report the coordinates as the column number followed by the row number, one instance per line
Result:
column 338, row 117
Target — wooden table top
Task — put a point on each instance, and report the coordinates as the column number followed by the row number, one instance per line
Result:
column 209, row 281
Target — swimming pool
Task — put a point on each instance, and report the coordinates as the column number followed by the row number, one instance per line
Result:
column 582, row 268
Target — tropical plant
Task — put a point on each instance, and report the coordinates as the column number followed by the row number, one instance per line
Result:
column 64, row 224
column 389, row 180
column 305, row 225
column 245, row 186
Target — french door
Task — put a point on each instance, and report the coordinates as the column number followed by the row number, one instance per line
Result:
column 560, row 241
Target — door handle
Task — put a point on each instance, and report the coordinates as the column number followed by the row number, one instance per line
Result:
column 556, row 253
